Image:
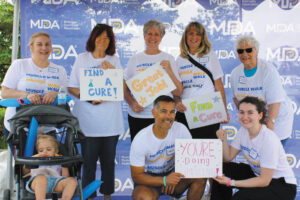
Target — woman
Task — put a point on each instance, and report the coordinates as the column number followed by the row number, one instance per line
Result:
column 101, row 121
column 35, row 78
column 138, row 116
column 255, row 77
column 196, row 82
column 267, row 174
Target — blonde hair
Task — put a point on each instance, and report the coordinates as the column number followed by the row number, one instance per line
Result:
column 50, row 138
column 205, row 45
column 38, row 34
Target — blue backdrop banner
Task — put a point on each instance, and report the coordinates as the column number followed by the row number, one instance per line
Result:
column 274, row 23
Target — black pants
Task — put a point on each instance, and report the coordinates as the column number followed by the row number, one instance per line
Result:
column 137, row 124
column 278, row 189
column 206, row 132
column 103, row 148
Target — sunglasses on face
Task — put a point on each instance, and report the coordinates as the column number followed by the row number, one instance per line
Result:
column 248, row 50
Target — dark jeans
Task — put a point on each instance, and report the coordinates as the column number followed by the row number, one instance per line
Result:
column 278, row 189
column 206, row 132
column 103, row 148
column 137, row 124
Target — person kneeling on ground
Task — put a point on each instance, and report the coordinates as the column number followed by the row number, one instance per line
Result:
column 152, row 157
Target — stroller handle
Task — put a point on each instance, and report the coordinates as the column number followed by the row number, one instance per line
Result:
column 59, row 160
column 18, row 102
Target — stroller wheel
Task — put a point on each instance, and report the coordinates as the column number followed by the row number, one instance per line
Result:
column 6, row 194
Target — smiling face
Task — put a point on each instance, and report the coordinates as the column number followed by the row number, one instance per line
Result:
column 152, row 38
column 193, row 39
column 102, row 42
column 249, row 116
column 41, row 47
column 248, row 59
column 164, row 115
column 46, row 148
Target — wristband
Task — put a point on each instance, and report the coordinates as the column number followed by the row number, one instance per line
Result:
column 26, row 95
column 271, row 119
column 165, row 181
column 228, row 183
column 232, row 184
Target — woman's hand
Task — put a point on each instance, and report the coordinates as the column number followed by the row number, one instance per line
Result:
column 222, row 179
column 106, row 65
column 227, row 119
column 221, row 134
column 166, row 66
column 180, row 106
column 49, row 97
column 34, row 98
column 97, row 102
column 137, row 108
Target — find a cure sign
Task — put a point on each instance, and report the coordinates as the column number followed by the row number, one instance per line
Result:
column 198, row 158
column 99, row 84
column 146, row 86
column 204, row 110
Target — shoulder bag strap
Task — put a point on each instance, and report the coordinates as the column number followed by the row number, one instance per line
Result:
column 202, row 68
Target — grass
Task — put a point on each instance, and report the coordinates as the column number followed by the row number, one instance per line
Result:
column 3, row 144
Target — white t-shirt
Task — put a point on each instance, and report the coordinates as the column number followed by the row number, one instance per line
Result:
column 156, row 155
column 105, row 119
column 140, row 62
column 265, row 150
column 24, row 75
column 266, row 85
column 195, row 81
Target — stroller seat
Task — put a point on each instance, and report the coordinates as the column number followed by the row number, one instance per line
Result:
column 69, row 135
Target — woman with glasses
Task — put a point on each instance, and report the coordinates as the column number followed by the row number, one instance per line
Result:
column 256, row 77
column 101, row 121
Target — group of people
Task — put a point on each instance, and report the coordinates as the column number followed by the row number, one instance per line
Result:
column 154, row 128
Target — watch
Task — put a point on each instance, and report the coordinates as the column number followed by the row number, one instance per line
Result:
column 271, row 119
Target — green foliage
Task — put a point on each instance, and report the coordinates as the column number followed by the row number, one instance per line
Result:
column 3, row 144
column 6, row 29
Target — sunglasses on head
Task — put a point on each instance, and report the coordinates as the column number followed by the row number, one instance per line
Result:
column 248, row 50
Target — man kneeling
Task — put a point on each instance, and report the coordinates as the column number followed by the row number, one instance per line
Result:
column 152, row 157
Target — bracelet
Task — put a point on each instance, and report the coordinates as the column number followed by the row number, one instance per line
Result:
column 228, row 183
column 232, row 184
column 165, row 181
column 26, row 95
column 271, row 119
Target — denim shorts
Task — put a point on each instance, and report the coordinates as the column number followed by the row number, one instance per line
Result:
column 51, row 183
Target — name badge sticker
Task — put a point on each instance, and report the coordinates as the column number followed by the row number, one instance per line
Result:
column 242, row 80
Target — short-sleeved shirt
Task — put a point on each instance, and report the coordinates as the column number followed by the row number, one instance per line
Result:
column 140, row 62
column 265, row 150
column 266, row 85
column 24, row 75
column 156, row 155
column 195, row 81
column 105, row 119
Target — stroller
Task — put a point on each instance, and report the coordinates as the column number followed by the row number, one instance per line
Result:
column 69, row 135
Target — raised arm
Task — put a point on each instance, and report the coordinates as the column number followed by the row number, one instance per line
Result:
column 229, row 152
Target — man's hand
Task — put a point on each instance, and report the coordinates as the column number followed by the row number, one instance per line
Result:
column 172, row 180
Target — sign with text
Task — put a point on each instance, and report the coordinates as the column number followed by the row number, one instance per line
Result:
column 149, row 84
column 98, row 84
column 198, row 158
column 204, row 110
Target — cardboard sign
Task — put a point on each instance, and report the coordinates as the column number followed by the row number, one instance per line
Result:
column 98, row 84
column 204, row 110
column 198, row 158
column 149, row 84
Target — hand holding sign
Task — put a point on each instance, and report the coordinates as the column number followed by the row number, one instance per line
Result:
column 198, row 158
column 149, row 84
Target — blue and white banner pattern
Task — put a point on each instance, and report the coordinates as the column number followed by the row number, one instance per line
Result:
column 274, row 23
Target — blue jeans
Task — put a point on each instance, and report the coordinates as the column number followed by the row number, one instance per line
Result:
column 51, row 183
